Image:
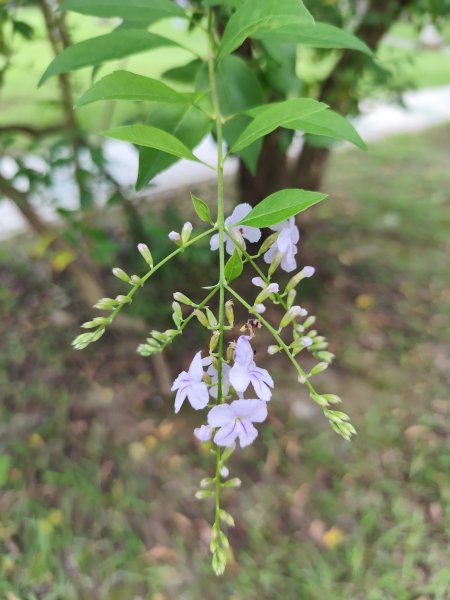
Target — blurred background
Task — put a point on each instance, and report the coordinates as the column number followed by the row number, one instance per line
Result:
column 97, row 477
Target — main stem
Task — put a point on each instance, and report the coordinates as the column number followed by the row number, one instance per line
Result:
column 221, row 230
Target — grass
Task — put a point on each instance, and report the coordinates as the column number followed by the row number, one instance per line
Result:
column 98, row 476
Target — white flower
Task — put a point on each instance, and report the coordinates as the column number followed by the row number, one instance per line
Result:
column 239, row 233
column 245, row 372
column 285, row 245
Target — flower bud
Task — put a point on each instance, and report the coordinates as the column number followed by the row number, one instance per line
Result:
column 309, row 322
column 175, row 237
column 275, row 263
column 273, row 350
column 226, row 517
column 146, row 254
column 206, row 482
column 120, row 274
column 224, row 472
column 232, row 483
column 123, row 299
column 291, row 298
column 213, row 323
column 306, row 341
column 177, row 309
column 295, row 280
column 105, row 304
column 258, row 281
column 291, row 314
column 213, row 341
column 301, row 379
column 270, row 289
column 186, row 232
column 135, row 280
column 260, row 308
column 327, row 357
column 319, row 368
column 201, row 318
column 268, row 242
column 202, row 494
column 229, row 312
column 180, row 297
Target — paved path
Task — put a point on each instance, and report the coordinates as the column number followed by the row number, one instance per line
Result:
column 423, row 108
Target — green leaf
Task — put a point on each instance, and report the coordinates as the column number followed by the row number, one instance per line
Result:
column 202, row 209
column 281, row 206
column 319, row 35
column 96, row 51
column 260, row 16
column 246, row 92
column 280, row 114
column 330, row 124
column 126, row 9
column 187, row 123
column 123, row 85
column 184, row 74
column 151, row 137
column 234, row 266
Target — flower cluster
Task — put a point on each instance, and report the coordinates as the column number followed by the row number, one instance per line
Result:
column 232, row 420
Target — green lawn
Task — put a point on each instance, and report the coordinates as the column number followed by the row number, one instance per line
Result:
column 98, row 476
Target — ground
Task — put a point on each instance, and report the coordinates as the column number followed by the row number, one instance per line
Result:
column 99, row 476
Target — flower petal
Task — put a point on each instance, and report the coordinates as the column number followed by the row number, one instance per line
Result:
column 243, row 353
column 240, row 378
column 247, row 433
column 214, row 242
column 182, row 379
column 253, row 234
column 249, row 410
column 198, row 395
column 203, row 433
column 196, row 368
column 240, row 211
column 179, row 398
column 226, row 435
column 220, row 415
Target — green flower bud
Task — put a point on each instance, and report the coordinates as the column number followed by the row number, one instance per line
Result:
column 180, row 297
column 268, row 242
column 146, row 254
column 120, row 274
column 201, row 318
column 186, row 232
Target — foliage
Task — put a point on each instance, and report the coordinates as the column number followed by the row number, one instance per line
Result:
column 88, row 509
column 230, row 369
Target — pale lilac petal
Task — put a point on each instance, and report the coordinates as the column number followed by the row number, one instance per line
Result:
column 271, row 253
column 179, row 398
column 203, row 433
column 295, row 234
column 207, row 361
column 230, row 245
column 227, row 434
column 240, row 211
column 182, row 379
column 260, row 308
column 243, row 353
column 249, row 410
column 258, row 281
column 284, row 240
column 288, row 262
column 252, row 234
column 220, row 415
column 214, row 242
column 247, row 433
column 240, row 378
column 198, row 395
column 195, row 368
column 261, row 389
column 308, row 271
column 278, row 226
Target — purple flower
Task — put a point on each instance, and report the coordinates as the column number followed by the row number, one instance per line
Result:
column 308, row 271
column 252, row 234
column 203, row 433
column 189, row 384
column 286, row 245
column 245, row 372
column 236, row 420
